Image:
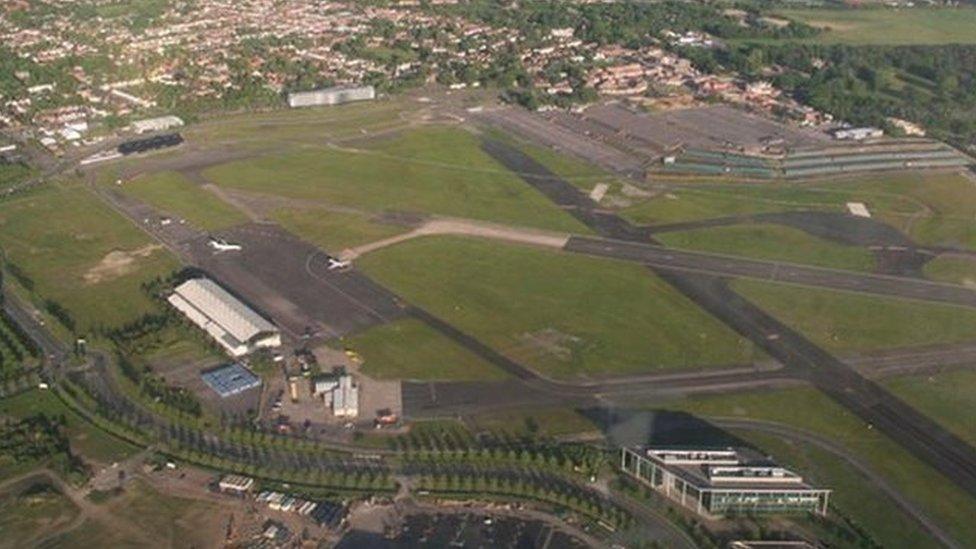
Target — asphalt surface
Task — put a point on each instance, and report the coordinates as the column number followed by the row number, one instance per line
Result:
column 926, row 439
column 683, row 261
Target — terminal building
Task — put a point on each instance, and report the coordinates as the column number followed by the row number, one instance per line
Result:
column 716, row 482
column 234, row 325
column 331, row 96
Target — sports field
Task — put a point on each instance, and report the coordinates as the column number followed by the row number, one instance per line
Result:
column 567, row 316
column 78, row 253
column 874, row 26
column 408, row 349
column 439, row 170
column 849, row 322
column 171, row 193
column 772, row 242
column 808, row 410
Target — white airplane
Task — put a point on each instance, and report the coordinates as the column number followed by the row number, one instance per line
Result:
column 222, row 245
column 337, row 264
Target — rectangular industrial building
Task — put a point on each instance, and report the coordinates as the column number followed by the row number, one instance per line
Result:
column 236, row 327
column 716, row 482
column 230, row 380
column 157, row 124
column 331, row 96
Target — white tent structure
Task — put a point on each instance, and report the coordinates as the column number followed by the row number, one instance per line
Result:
column 234, row 325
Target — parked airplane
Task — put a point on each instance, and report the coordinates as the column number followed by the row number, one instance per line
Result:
column 337, row 265
column 222, row 245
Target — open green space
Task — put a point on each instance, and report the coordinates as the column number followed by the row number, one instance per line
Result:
column 437, row 170
column 564, row 315
column 934, row 208
column 535, row 422
column 876, row 26
column 409, row 349
column 808, row 410
column 17, row 351
column 948, row 398
column 173, row 194
column 849, row 322
column 955, row 270
column 773, row 242
column 75, row 253
column 85, row 439
column 11, row 174
column 158, row 519
column 311, row 125
column 32, row 511
column 333, row 231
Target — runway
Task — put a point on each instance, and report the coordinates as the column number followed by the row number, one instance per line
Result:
column 701, row 277
column 682, row 261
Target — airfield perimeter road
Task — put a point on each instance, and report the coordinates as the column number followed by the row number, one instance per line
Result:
column 926, row 439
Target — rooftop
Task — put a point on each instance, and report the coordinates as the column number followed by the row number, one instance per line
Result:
column 230, row 380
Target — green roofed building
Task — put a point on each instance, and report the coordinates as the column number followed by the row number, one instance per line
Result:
column 717, row 482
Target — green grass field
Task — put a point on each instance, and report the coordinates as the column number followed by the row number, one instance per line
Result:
column 935, row 208
column 773, row 242
column 33, row 511
column 854, row 496
column 161, row 520
column 948, row 398
column 85, row 439
column 82, row 255
column 809, row 410
column 173, row 194
column 409, row 349
column 890, row 26
column 11, row 174
column 301, row 126
column 849, row 322
column 544, row 422
column 333, row 231
column 567, row 316
column 955, row 270
column 434, row 170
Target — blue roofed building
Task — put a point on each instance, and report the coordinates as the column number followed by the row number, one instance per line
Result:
column 229, row 380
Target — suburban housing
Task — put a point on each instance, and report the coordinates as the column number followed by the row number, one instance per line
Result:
column 716, row 482
column 234, row 325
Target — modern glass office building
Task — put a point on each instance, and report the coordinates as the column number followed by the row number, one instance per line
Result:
column 716, row 482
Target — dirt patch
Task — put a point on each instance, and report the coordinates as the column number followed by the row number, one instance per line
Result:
column 553, row 343
column 118, row 263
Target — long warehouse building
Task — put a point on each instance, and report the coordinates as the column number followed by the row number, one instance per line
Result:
column 331, row 96
column 234, row 325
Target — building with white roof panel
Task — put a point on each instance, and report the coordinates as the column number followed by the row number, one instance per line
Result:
column 331, row 96
column 345, row 398
column 234, row 325
column 157, row 124
column 716, row 482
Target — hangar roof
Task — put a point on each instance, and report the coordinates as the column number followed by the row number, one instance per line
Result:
column 236, row 318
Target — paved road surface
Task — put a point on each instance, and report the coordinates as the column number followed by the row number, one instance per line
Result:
column 670, row 259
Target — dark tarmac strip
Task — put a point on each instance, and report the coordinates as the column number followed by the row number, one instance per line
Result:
column 673, row 260
column 924, row 438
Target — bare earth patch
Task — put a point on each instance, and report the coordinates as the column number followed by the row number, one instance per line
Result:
column 553, row 342
column 118, row 263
